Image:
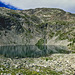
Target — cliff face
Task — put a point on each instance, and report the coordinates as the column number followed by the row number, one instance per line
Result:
column 40, row 26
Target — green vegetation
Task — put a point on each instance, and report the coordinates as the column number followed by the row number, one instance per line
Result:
column 41, row 71
column 72, row 44
column 46, row 59
column 14, row 14
column 35, row 19
column 40, row 42
column 51, row 34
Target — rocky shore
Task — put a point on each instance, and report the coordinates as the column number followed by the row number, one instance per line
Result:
column 56, row 64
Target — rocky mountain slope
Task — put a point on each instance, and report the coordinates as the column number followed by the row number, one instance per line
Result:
column 40, row 26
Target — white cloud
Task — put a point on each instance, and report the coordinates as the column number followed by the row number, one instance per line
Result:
column 27, row 4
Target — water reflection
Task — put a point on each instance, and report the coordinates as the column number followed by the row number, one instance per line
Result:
column 30, row 51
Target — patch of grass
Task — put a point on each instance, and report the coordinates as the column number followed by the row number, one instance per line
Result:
column 42, row 71
column 51, row 34
column 63, row 36
column 50, row 72
column 35, row 19
column 47, row 58
column 14, row 14
column 40, row 42
column 72, row 46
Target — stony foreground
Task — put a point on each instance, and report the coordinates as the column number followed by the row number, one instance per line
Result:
column 56, row 64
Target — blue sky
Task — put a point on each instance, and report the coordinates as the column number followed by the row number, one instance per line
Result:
column 67, row 5
column 8, row 6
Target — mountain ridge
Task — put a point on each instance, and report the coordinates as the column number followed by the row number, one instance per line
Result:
column 40, row 26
